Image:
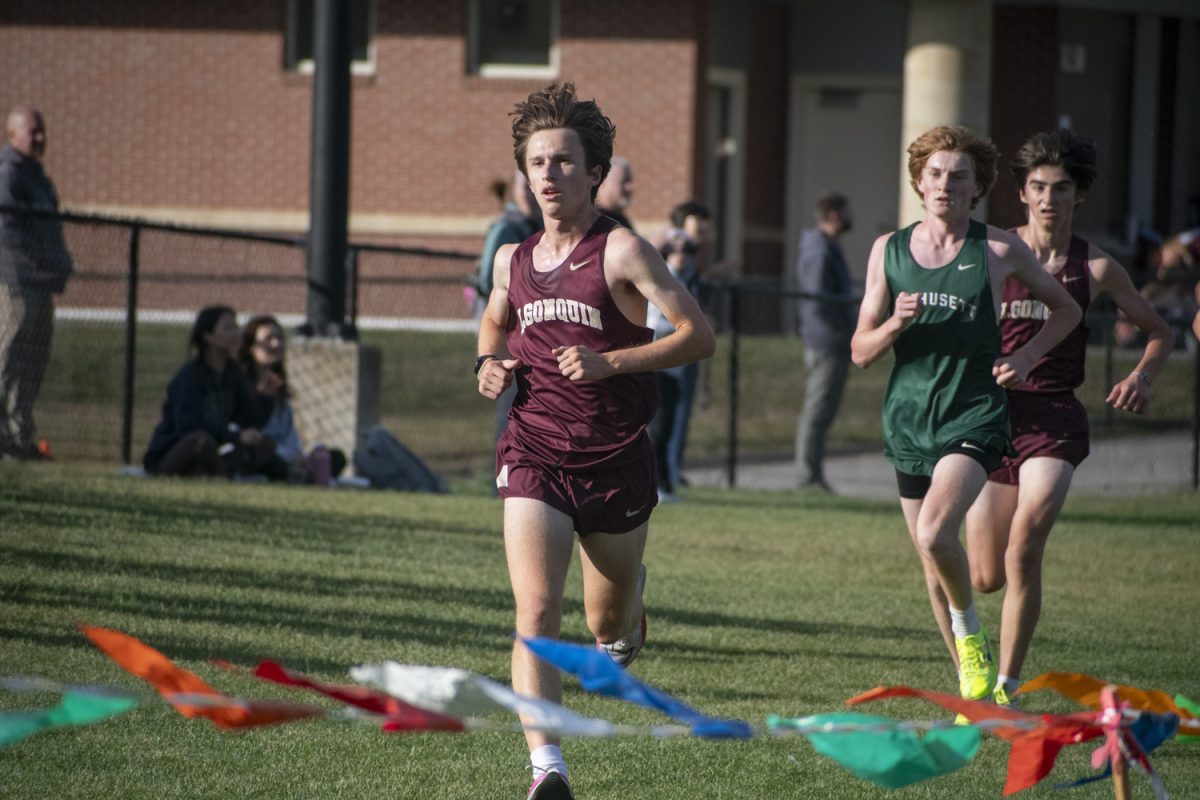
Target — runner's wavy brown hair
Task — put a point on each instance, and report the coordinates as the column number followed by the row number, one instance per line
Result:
column 557, row 106
column 955, row 139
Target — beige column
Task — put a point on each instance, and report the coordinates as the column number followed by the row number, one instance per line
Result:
column 947, row 78
column 335, row 388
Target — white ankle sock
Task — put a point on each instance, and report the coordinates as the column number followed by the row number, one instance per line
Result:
column 964, row 622
column 1008, row 684
column 548, row 758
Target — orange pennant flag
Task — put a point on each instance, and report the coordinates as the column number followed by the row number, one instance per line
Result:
column 1085, row 690
column 226, row 712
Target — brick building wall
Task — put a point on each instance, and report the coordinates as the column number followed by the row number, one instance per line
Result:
column 184, row 111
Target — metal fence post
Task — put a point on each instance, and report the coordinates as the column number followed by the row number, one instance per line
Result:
column 351, row 324
column 735, row 324
column 131, row 305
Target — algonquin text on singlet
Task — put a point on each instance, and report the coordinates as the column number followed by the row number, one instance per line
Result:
column 557, row 308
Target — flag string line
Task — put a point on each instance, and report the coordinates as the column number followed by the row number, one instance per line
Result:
column 778, row 726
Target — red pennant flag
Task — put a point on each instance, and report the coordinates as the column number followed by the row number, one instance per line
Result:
column 156, row 669
column 400, row 716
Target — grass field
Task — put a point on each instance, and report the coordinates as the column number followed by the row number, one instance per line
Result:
column 759, row 603
column 429, row 400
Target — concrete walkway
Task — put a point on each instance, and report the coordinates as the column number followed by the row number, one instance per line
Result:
column 1121, row 467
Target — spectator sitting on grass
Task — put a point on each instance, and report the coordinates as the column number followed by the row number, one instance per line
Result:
column 208, row 423
column 261, row 356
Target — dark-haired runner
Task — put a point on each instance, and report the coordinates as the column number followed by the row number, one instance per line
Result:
column 1009, row 523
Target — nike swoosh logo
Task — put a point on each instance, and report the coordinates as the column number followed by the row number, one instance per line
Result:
column 580, row 264
column 972, row 447
column 634, row 512
column 1072, row 278
column 961, row 267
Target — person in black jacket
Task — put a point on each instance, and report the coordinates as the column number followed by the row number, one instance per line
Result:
column 210, row 424
column 34, row 266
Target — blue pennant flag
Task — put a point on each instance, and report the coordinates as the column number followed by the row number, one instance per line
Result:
column 597, row 673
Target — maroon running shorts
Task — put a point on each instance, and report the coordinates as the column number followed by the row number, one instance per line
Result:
column 1044, row 426
column 606, row 500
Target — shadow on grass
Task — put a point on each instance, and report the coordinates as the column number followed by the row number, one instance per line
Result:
column 1113, row 518
column 179, row 648
column 782, row 500
column 373, row 625
column 299, row 529
column 718, row 654
column 711, row 619
column 312, row 585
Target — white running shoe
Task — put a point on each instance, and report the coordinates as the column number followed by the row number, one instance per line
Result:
column 624, row 650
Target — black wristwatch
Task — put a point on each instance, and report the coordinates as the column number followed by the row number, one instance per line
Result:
column 483, row 359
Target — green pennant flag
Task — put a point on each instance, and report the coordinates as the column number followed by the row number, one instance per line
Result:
column 890, row 758
column 1192, row 706
column 76, row 708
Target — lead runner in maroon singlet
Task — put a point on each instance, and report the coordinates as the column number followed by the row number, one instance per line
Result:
column 567, row 320
column 582, row 448
column 1009, row 523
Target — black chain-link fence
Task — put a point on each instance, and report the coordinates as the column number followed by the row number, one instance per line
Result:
column 121, row 325
column 752, row 390
column 121, row 328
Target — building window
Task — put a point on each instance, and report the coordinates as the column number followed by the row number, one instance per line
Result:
column 514, row 38
column 300, row 45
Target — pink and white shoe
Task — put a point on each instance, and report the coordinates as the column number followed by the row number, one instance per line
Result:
column 550, row 786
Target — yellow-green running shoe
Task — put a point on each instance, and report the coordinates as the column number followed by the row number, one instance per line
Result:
column 976, row 667
column 1002, row 698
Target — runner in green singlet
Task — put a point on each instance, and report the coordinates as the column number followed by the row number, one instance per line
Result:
column 931, row 296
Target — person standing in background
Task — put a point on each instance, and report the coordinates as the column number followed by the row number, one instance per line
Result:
column 825, row 327
column 616, row 193
column 681, row 246
column 34, row 266
column 521, row 218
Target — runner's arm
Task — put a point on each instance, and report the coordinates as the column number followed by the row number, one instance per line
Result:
column 1132, row 393
column 496, row 373
column 878, row 322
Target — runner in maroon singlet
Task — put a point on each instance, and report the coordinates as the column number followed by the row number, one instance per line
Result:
column 567, row 320
column 1008, row 525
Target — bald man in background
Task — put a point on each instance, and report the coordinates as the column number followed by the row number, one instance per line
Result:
column 616, row 192
column 34, row 266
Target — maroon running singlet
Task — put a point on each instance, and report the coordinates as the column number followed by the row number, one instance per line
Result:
column 579, row 446
column 1022, row 316
column 1046, row 418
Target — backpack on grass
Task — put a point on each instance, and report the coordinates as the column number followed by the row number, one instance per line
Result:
column 388, row 464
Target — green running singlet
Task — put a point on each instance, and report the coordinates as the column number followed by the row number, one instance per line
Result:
column 941, row 390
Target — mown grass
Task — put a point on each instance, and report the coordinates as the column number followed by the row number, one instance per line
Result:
column 759, row 603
